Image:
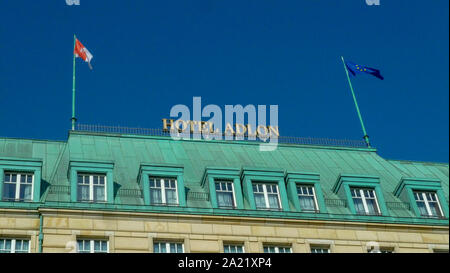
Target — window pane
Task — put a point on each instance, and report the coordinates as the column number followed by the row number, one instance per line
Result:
column 155, row 196
column 260, row 188
column 9, row 191
column 156, row 248
column 359, row 206
column 99, row 193
column 320, row 250
column 226, row 249
column 434, row 207
column 5, row 245
column 25, row 245
column 372, row 206
column 274, row 189
column 179, row 248
column 97, row 246
column 417, row 196
column 225, row 199
column 171, row 196
column 260, row 201
column 25, row 192
column 273, row 201
column 83, row 192
column 307, row 203
column 84, row 246
column 422, row 208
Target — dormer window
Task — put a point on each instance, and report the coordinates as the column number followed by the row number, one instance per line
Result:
column 225, row 194
column 20, row 179
column 163, row 191
column 91, row 187
column 363, row 193
column 425, row 196
column 307, row 198
column 428, row 204
column 18, row 186
column 162, row 184
column 266, row 196
column 91, row 181
column 365, row 201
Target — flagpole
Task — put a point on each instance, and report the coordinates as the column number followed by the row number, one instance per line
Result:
column 73, row 85
column 366, row 137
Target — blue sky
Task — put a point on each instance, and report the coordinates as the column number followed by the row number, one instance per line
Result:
column 151, row 55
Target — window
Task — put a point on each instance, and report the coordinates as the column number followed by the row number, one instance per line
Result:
column 163, row 191
column 365, row 201
column 233, row 248
column 18, row 186
column 277, row 249
column 320, row 249
column 377, row 249
column 14, row 246
column 168, row 247
column 436, row 250
column 266, row 196
column 428, row 204
column 307, row 198
column 92, row 246
column 225, row 194
column 91, row 187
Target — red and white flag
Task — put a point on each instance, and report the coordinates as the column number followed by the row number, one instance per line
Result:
column 82, row 52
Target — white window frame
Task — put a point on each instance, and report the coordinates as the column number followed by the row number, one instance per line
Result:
column 13, row 244
column 233, row 245
column 163, row 190
column 426, row 201
column 91, row 245
column 91, row 186
column 18, row 184
column 167, row 245
column 363, row 198
column 321, row 247
column 316, row 209
column 266, row 194
column 277, row 248
column 232, row 191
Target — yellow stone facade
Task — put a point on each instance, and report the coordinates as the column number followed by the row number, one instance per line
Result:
column 136, row 232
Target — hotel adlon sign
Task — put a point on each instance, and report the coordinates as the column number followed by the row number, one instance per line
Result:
column 208, row 128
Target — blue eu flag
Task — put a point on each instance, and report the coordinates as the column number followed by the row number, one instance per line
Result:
column 358, row 69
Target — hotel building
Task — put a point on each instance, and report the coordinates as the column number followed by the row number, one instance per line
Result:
column 108, row 191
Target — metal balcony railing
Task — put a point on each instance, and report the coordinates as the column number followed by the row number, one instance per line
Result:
column 336, row 202
column 59, row 189
column 165, row 133
column 197, row 196
column 398, row 205
column 129, row 193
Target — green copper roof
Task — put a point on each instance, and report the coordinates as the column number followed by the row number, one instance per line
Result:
column 127, row 152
